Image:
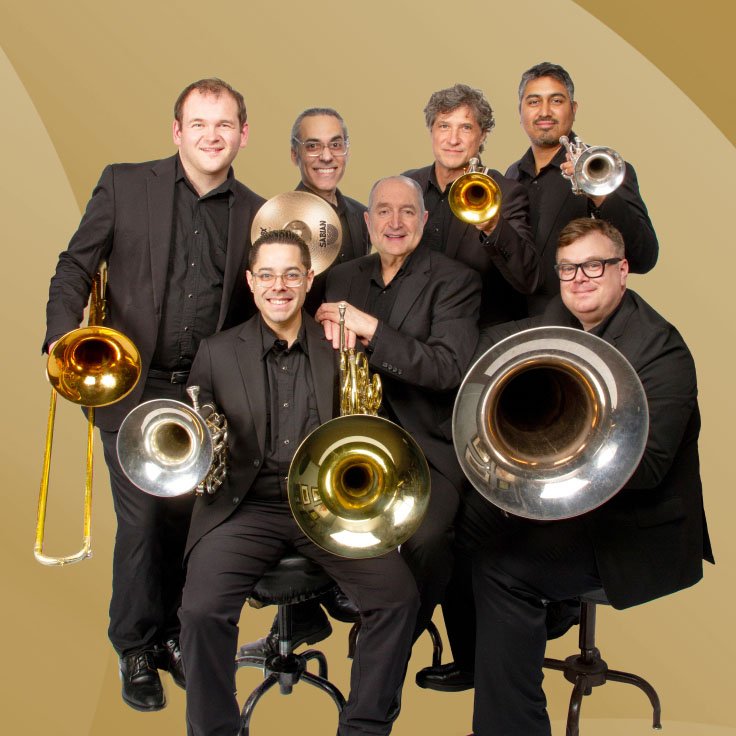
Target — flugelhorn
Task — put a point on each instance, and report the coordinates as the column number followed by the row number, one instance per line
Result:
column 598, row 170
column 359, row 485
column 475, row 197
column 167, row 448
column 550, row 423
column 91, row 366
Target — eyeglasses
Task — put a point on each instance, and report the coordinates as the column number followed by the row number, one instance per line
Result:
column 288, row 278
column 337, row 147
column 592, row 269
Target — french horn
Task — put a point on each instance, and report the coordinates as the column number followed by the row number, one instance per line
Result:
column 550, row 423
column 358, row 486
column 598, row 170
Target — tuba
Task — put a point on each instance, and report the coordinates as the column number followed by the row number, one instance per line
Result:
column 359, row 485
column 90, row 366
column 475, row 197
column 550, row 423
column 166, row 448
column 598, row 170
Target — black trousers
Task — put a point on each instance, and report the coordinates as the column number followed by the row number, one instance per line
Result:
column 517, row 567
column 222, row 570
column 147, row 568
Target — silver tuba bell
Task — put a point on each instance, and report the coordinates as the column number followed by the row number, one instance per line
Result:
column 598, row 170
column 167, row 448
column 550, row 423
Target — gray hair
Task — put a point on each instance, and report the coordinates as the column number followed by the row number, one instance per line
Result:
column 405, row 180
column 447, row 100
column 313, row 112
column 546, row 69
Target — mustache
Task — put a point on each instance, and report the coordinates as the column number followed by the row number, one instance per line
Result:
column 546, row 119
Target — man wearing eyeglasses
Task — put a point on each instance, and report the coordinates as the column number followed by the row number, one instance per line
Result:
column 647, row 541
column 274, row 378
column 320, row 148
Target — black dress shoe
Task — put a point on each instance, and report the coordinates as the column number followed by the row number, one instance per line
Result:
column 168, row 658
column 302, row 632
column 448, row 678
column 340, row 607
column 141, row 684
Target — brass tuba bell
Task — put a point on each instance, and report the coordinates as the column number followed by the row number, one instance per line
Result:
column 550, row 423
column 475, row 197
column 359, row 485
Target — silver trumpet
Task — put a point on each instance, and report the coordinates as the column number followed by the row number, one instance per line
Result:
column 550, row 423
column 598, row 170
column 167, row 448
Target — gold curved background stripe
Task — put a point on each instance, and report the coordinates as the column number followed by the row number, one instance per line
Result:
column 87, row 83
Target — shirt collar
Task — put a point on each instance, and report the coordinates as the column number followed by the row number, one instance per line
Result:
column 269, row 340
column 528, row 165
column 376, row 273
column 339, row 208
column 226, row 186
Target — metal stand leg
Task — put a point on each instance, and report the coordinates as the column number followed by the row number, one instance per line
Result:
column 436, row 644
column 253, row 698
column 321, row 659
column 642, row 684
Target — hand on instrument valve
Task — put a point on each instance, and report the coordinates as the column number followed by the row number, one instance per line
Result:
column 568, row 168
column 358, row 324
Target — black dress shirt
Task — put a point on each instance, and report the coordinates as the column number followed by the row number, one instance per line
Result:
column 195, row 272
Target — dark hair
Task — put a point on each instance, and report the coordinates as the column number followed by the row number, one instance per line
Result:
column 284, row 237
column 576, row 229
column 210, row 86
column 447, row 100
column 546, row 69
column 313, row 112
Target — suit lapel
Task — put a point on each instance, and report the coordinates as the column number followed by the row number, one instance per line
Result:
column 253, row 375
column 413, row 284
column 238, row 246
column 323, row 362
column 359, row 288
column 458, row 231
column 160, row 189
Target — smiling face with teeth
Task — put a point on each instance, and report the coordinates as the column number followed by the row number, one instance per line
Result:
column 209, row 137
column 280, row 305
column 320, row 173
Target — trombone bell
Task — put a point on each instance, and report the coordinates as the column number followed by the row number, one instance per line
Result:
column 475, row 197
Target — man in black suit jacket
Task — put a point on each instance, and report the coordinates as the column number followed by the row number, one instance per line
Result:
column 547, row 109
column 320, row 147
column 647, row 541
column 175, row 234
column 415, row 312
column 502, row 249
column 275, row 379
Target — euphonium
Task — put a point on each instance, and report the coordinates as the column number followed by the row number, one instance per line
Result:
column 550, row 423
column 90, row 366
column 598, row 170
column 167, row 448
column 359, row 485
column 475, row 197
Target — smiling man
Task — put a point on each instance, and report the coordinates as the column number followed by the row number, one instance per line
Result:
column 274, row 378
column 459, row 120
column 320, row 147
column 415, row 313
column 547, row 109
column 175, row 234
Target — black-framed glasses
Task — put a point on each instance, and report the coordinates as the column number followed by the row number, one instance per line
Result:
column 288, row 278
column 593, row 269
column 337, row 146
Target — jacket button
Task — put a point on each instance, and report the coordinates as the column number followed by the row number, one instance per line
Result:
column 236, row 500
column 256, row 462
column 384, row 365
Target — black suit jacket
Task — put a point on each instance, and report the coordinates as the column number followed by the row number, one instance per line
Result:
column 506, row 259
column 128, row 222
column 229, row 371
column 423, row 350
column 623, row 208
column 649, row 539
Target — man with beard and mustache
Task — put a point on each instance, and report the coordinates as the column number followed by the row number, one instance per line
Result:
column 547, row 110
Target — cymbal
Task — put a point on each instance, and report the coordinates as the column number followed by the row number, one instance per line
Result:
column 310, row 217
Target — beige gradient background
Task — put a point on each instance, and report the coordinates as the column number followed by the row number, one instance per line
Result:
column 86, row 83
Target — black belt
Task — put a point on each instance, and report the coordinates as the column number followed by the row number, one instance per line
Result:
column 170, row 376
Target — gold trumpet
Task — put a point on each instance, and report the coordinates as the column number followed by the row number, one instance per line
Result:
column 475, row 197
column 359, row 485
column 90, row 366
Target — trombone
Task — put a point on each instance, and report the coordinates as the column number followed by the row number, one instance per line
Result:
column 90, row 366
column 475, row 197
column 598, row 170
column 359, row 485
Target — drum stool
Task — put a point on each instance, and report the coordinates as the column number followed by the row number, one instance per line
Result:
column 292, row 580
column 587, row 670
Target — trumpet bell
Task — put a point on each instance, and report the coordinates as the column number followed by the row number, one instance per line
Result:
column 164, row 447
column 599, row 170
column 93, row 366
column 359, row 486
column 550, row 423
column 474, row 197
